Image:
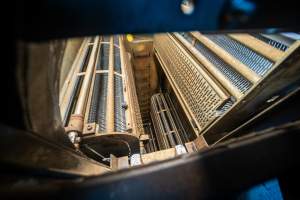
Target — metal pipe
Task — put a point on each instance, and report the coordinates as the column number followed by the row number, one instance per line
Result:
column 75, row 126
column 87, row 80
column 67, row 90
column 110, row 90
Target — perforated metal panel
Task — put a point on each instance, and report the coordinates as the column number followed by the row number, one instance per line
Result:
column 231, row 74
column 117, row 60
column 119, row 115
column 250, row 58
column 201, row 97
column 273, row 43
column 104, row 57
column 101, row 112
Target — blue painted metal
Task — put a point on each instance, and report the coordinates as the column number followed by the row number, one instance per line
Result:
column 269, row 190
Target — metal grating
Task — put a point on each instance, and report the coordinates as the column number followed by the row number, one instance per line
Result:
column 273, row 43
column 231, row 74
column 202, row 99
column 119, row 108
column 104, row 57
column 187, row 36
column 106, row 38
column 166, row 131
column 250, row 58
column 116, row 40
column 101, row 86
column 117, row 60
column 178, row 121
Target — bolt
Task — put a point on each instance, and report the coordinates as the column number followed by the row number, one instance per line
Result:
column 89, row 127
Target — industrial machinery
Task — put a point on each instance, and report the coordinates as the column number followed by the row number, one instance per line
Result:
column 204, row 81
column 173, row 99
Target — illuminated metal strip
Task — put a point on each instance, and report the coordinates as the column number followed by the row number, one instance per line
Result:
column 273, row 43
column 258, row 46
column 228, row 58
column 199, row 92
column 250, row 58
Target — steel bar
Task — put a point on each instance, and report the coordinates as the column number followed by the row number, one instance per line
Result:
column 80, row 107
column 75, row 125
column 110, row 90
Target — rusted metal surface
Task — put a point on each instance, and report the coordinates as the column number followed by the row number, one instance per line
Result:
column 89, row 129
column 117, row 163
column 75, row 124
column 200, row 143
column 190, row 147
column 158, row 156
